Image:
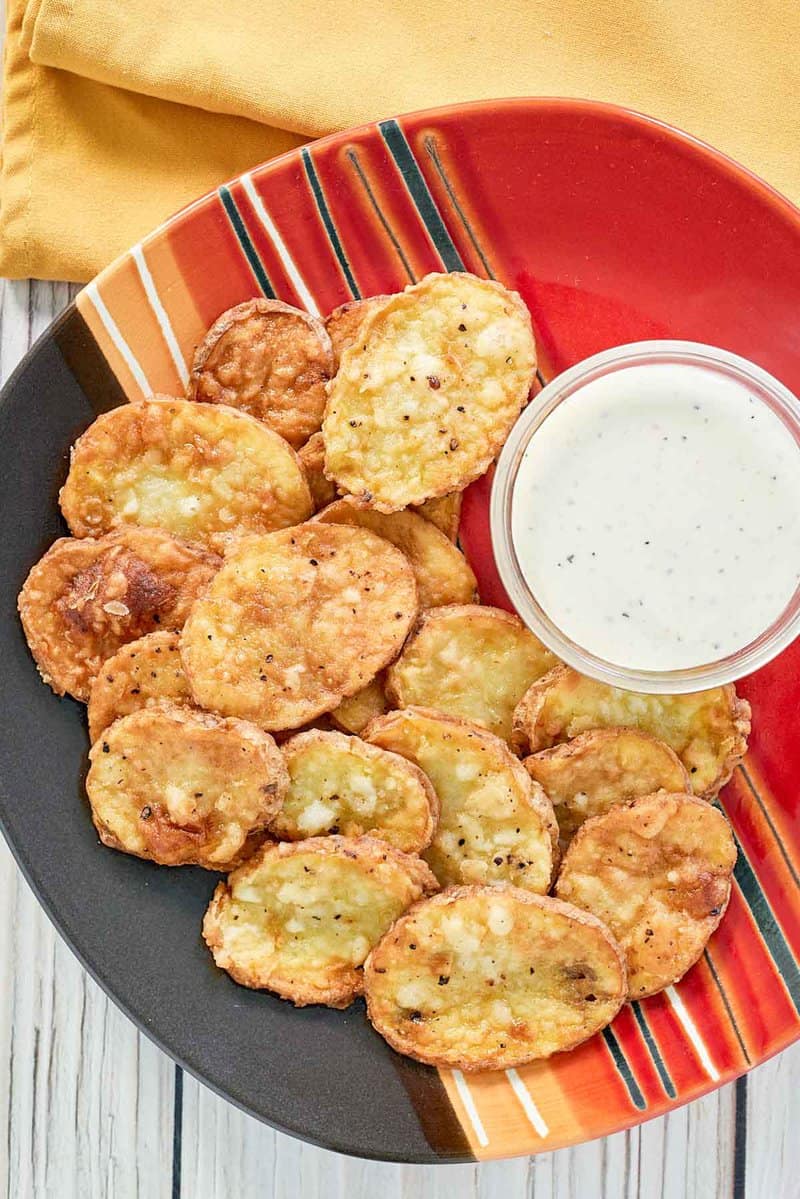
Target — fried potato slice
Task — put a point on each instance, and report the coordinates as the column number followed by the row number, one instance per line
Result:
column 84, row 599
column 312, row 459
column 299, row 919
column 657, row 871
column 297, row 620
column 204, row 472
column 354, row 714
column 141, row 674
column 442, row 572
column 184, row 788
column 587, row 776
column 269, row 359
column 471, row 661
column 425, row 398
column 708, row 730
column 340, row 784
column 495, row 823
column 486, row 978
column 444, row 512
column 342, row 325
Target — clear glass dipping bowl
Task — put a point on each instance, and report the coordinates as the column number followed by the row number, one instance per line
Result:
column 750, row 657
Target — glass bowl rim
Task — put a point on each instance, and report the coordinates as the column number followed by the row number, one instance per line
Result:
column 772, row 641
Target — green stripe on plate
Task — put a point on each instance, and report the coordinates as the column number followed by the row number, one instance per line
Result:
column 249, row 250
column 327, row 220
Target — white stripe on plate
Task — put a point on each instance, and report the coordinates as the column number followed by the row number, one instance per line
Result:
column 119, row 341
column 471, row 1109
column 529, row 1107
column 272, row 232
column 692, row 1033
column 160, row 314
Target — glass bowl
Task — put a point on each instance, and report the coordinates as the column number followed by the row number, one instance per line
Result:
column 750, row 657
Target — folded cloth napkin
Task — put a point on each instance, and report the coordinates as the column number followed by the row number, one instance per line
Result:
column 117, row 114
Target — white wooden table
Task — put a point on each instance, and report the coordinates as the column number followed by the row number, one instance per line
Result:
column 94, row 1111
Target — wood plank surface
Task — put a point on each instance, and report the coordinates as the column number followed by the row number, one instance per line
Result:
column 94, row 1111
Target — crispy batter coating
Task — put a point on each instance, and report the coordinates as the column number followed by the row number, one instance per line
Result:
column 587, row 776
column 300, row 918
column 442, row 572
column 312, row 459
column 658, row 872
column 141, row 674
column 340, row 784
column 471, row 661
column 486, row 978
column 297, row 620
column 707, row 729
column 270, row 360
column 342, row 325
column 84, row 599
column 204, row 472
column 353, row 714
column 182, row 787
column 444, row 512
column 426, row 397
column 495, row 823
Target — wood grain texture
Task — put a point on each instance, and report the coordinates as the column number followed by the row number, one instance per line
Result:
column 92, row 1109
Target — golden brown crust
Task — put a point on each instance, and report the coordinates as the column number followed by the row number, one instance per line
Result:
column 269, row 359
column 658, row 871
column 353, row 714
column 182, row 787
column 312, row 459
column 86, row 598
column 300, row 918
column 468, row 660
column 341, row 784
column 426, row 397
column 495, row 823
column 297, row 620
column 587, row 776
column 488, row 978
column 141, row 674
column 444, row 512
column 442, row 572
column 203, row 472
column 342, row 325
column 708, row 730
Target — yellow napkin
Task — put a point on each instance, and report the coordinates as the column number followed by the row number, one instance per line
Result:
column 118, row 113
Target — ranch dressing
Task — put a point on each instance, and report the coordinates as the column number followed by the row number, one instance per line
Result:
column 656, row 516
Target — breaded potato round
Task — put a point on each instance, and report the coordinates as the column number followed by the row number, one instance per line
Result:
column 342, row 325
column 495, row 823
column 312, row 460
column 300, row 918
column 471, row 661
column 86, row 598
column 425, row 398
column 486, row 978
column 204, row 472
column 442, row 572
column 444, row 512
column 141, row 674
column 657, row 871
column 353, row 714
column 297, row 620
column 270, row 360
column 708, row 730
column 341, row 784
column 587, row 776
column 184, row 788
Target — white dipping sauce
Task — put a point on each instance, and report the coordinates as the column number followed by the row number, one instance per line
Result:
column 656, row 516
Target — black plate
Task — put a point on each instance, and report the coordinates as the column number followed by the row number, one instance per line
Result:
column 316, row 1073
